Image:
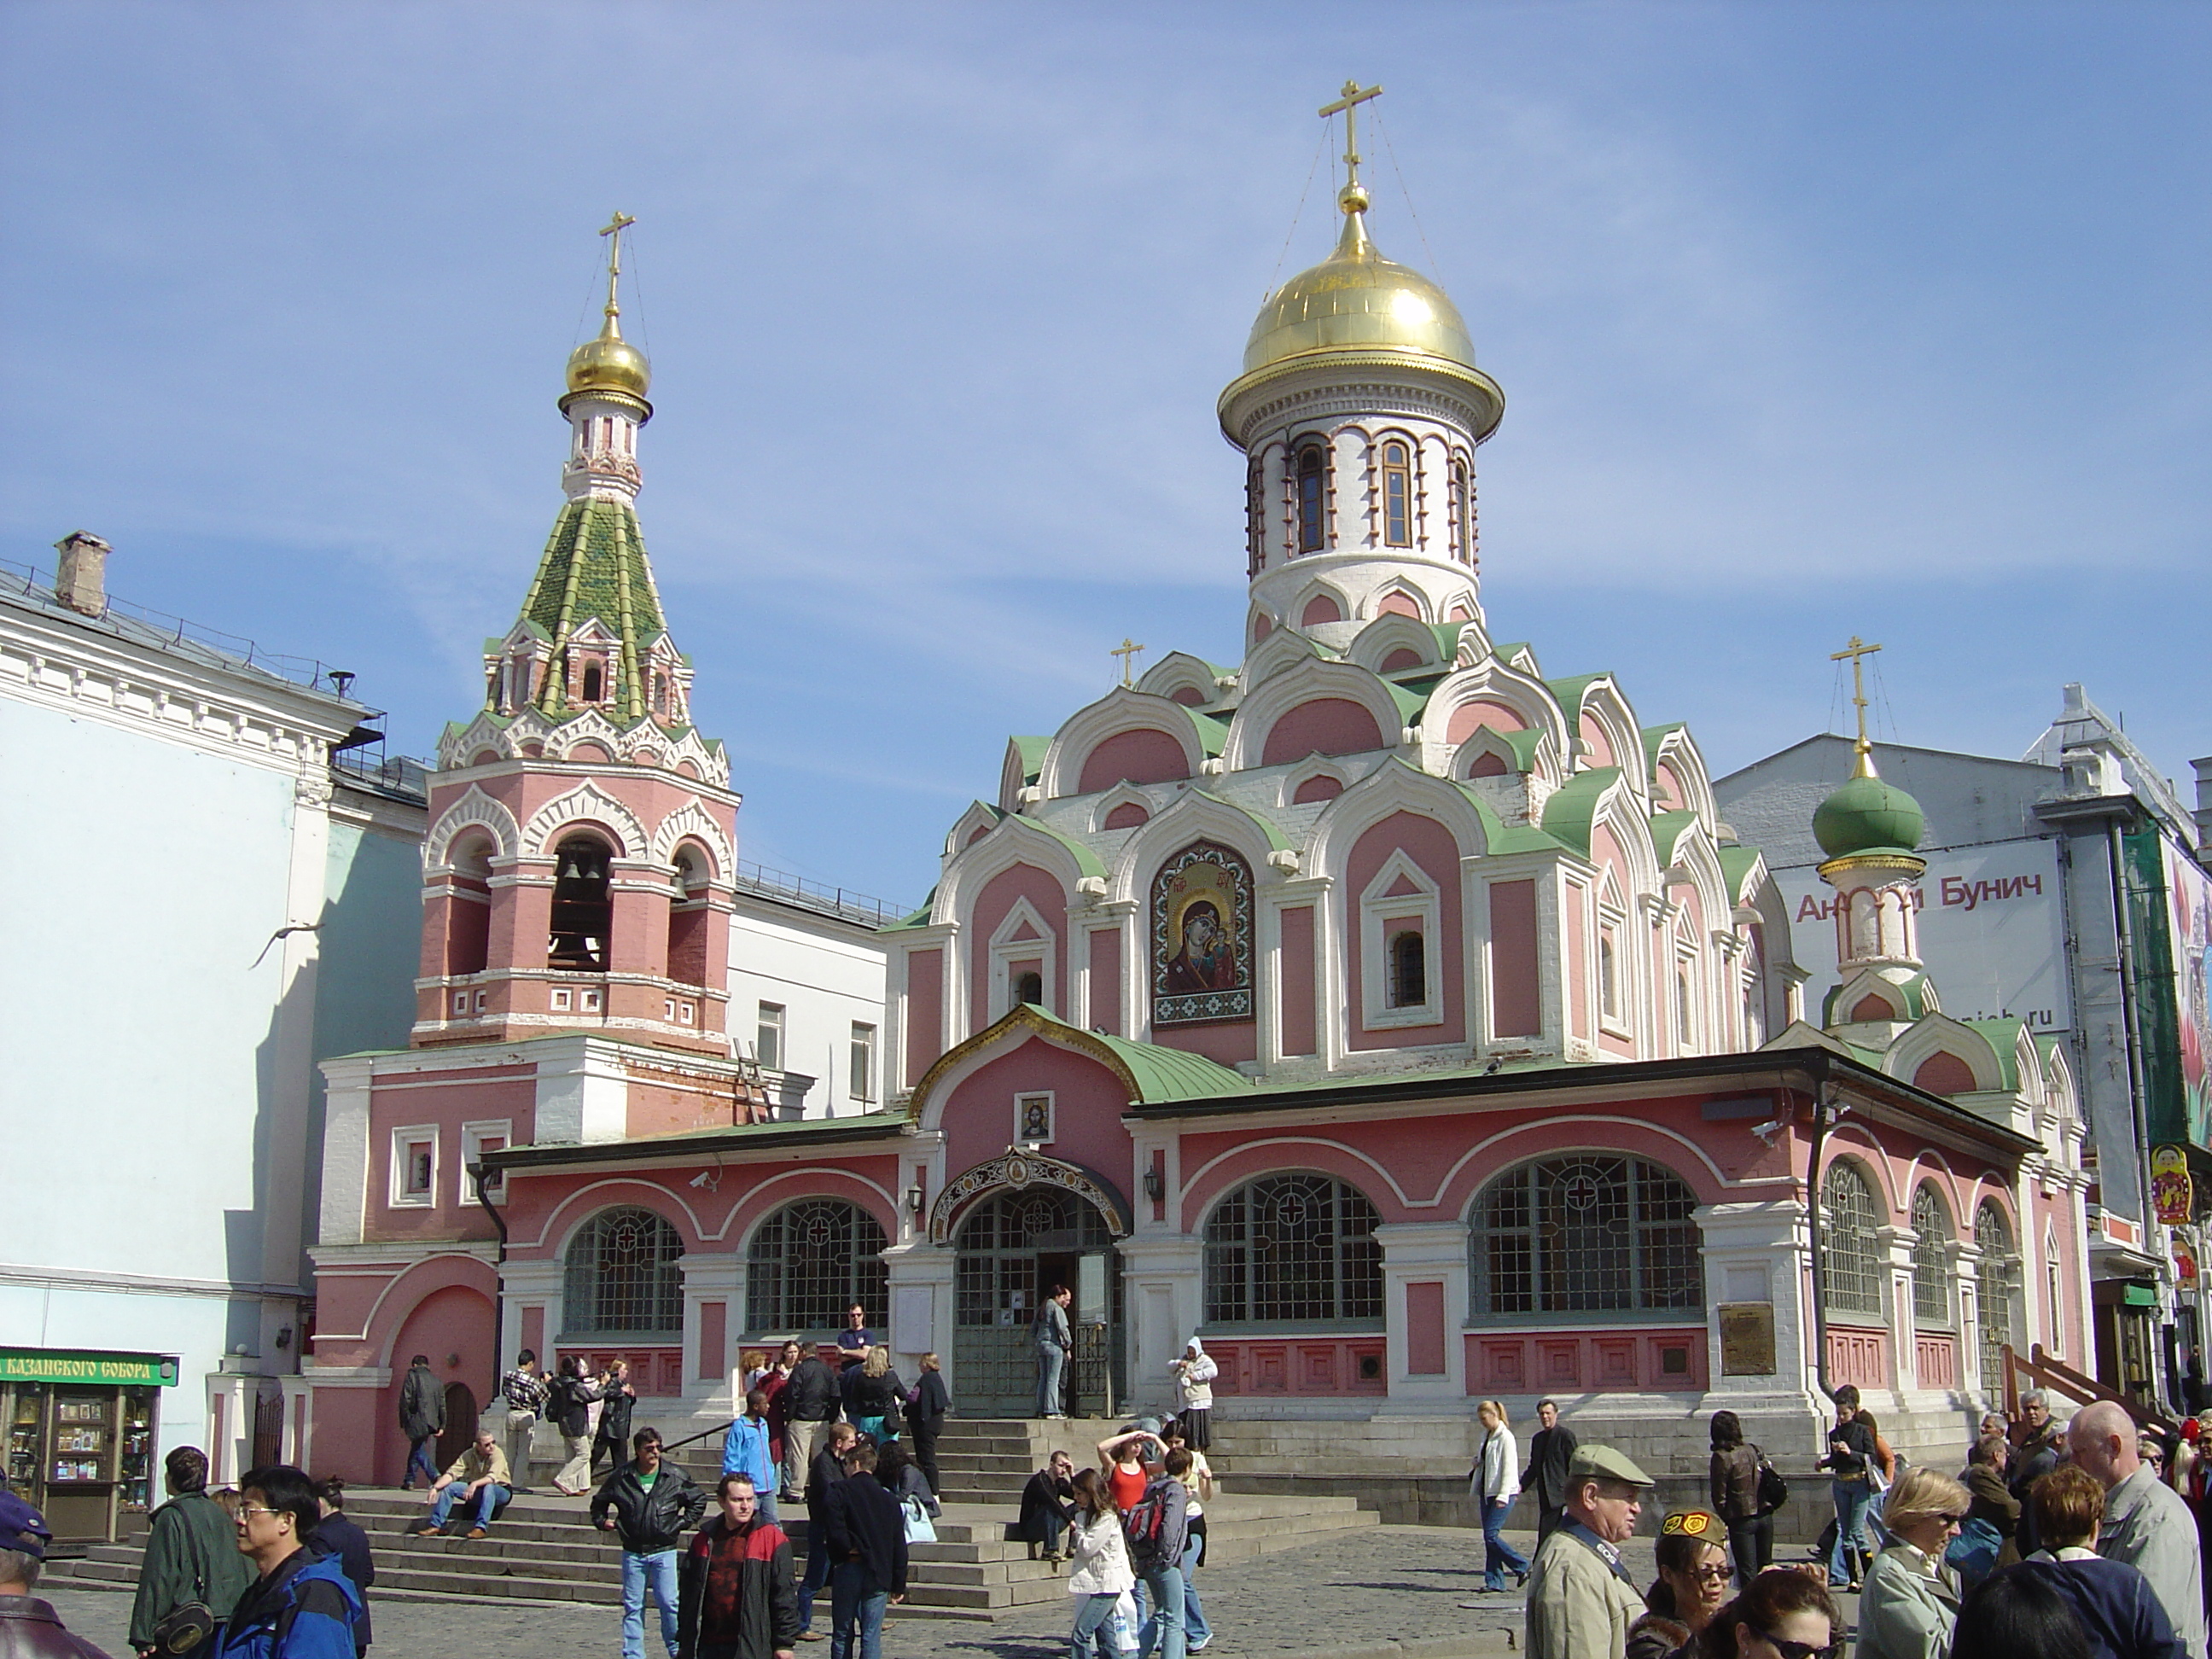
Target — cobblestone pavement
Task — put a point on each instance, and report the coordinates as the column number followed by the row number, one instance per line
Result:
column 1384, row 1584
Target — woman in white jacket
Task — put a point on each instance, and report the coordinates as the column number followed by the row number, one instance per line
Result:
column 1494, row 1482
column 1193, row 1379
column 1100, row 1577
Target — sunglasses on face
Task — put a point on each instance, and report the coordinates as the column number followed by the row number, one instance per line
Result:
column 1719, row 1575
column 1796, row 1649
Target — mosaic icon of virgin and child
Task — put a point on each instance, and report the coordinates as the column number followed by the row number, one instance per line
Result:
column 1206, row 960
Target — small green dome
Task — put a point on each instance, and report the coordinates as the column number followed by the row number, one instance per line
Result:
column 1868, row 815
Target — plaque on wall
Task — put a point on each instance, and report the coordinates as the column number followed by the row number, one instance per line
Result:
column 1746, row 1338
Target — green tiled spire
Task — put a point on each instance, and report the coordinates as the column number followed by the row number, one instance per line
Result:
column 595, row 567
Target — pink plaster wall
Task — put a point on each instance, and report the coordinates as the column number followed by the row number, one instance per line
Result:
column 1667, row 789
column 1138, row 756
column 1468, row 715
column 1659, row 1360
column 1327, row 726
column 925, row 1011
column 1224, row 1044
column 1516, row 992
column 991, row 906
column 495, row 1093
column 1395, row 603
column 1431, row 846
column 1600, row 745
column 1088, row 1101
column 1424, row 1329
column 1576, row 965
column 1106, row 980
column 1296, row 980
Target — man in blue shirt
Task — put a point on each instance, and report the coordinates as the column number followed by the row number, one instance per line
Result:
column 746, row 1452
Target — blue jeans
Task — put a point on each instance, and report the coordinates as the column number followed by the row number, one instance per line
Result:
column 418, row 1457
column 1050, row 1357
column 657, row 1570
column 1498, row 1557
column 816, row 1574
column 856, row 1600
column 1196, row 1631
column 1853, row 1499
column 1099, row 1633
column 488, row 1498
column 1162, row 1629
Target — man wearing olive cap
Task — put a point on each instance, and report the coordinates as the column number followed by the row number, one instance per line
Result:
column 1581, row 1601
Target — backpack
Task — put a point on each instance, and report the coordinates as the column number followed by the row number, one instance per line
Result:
column 1143, row 1523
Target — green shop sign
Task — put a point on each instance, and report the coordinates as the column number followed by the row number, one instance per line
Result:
column 46, row 1365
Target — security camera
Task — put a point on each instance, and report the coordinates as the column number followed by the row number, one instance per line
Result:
column 709, row 1179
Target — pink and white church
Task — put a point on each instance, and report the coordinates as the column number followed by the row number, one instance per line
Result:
column 1398, row 1016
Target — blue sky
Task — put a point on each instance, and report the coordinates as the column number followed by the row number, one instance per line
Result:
column 1812, row 320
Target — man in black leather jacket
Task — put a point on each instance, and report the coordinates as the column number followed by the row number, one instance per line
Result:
column 809, row 1402
column 651, row 1504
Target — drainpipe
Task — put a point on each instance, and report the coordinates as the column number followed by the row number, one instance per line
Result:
column 1822, row 1091
column 476, row 1173
column 2136, row 1105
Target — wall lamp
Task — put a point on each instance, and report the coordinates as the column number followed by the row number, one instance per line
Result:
column 914, row 1200
column 1155, row 1187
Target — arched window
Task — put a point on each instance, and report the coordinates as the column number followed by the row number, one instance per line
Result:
column 593, row 682
column 1292, row 1247
column 689, row 919
column 1459, row 536
column 2000, row 1286
column 810, row 1261
column 1409, row 970
column 1685, row 1010
column 583, row 905
column 1851, row 1269
column 623, row 1278
column 1931, row 1260
column 1608, row 978
column 1256, row 515
column 1397, row 495
column 1313, row 499
column 1586, row 1233
column 1027, row 987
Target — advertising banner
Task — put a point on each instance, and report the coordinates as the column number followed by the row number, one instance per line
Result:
column 43, row 1365
column 2189, row 891
column 1991, row 927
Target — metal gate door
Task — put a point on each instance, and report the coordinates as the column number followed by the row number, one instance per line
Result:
column 999, row 1249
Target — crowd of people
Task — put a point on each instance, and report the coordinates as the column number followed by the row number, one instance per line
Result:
column 2079, row 1539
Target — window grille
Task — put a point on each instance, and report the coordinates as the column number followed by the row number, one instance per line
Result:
column 1313, row 500
column 1293, row 1247
column 1409, row 971
column 1931, row 1262
column 812, row 1259
column 1397, row 495
column 1586, row 1234
column 1850, row 1268
column 2000, row 1288
column 623, row 1277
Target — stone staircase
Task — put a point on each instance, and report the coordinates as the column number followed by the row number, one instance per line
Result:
column 543, row 1548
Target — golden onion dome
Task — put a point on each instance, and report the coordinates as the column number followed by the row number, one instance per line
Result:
column 1356, row 300
column 607, row 362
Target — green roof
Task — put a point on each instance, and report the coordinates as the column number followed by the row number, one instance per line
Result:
column 1164, row 1073
column 1867, row 816
column 1570, row 690
column 1655, row 738
column 1032, row 752
column 1499, row 836
column 1667, row 830
column 1573, row 808
column 2002, row 1034
column 594, row 569
column 1409, row 704
column 1736, row 864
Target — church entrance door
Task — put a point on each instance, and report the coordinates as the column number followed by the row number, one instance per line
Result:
column 1011, row 1249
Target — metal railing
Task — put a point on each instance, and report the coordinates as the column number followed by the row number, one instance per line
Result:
column 819, row 896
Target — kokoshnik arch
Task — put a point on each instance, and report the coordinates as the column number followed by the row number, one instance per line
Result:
column 1397, row 1015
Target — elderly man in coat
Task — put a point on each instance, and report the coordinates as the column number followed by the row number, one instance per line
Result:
column 2147, row 1525
column 1580, row 1600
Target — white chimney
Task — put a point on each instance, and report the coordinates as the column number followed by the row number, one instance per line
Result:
column 81, row 579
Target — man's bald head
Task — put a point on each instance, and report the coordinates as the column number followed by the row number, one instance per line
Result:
column 2101, row 1440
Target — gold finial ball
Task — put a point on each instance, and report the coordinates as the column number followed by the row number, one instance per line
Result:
column 1352, row 198
column 609, row 363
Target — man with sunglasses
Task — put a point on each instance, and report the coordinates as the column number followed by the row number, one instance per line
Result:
column 302, row 1605
column 1581, row 1598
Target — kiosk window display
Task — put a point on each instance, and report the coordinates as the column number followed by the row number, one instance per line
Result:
column 81, row 1434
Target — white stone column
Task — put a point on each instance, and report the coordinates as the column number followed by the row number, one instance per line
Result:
column 712, row 1277
column 1966, row 1273
column 1424, row 1253
column 1894, row 1247
column 1760, row 1253
column 921, row 1311
column 1162, row 1281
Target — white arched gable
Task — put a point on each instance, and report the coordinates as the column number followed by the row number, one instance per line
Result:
column 589, row 727
column 2027, row 1065
column 1494, row 680
column 1602, row 702
column 1307, row 682
column 1474, row 647
column 1619, row 812
column 586, row 804
column 980, row 815
column 1389, row 790
column 1179, row 671
column 1370, row 608
column 1125, row 794
column 1482, row 741
column 1280, row 652
column 1679, row 753
column 1015, row 841
column 1935, row 1033
column 1122, row 709
column 1698, row 865
column 1393, row 633
column 1347, row 610
column 1192, row 816
column 474, row 809
column 1315, row 766
column 691, row 822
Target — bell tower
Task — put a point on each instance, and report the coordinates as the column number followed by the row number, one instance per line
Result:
column 1358, row 412
column 583, row 844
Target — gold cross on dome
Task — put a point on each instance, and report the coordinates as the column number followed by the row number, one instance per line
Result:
column 1857, row 651
column 614, row 228
column 1127, row 651
column 1349, row 105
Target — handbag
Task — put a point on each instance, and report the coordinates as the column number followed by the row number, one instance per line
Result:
column 920, row 1529
column 185, row 1627
column 1773, row 1489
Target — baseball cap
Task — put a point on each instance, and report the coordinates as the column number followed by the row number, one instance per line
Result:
column 1604, row 1463
column 23, row 1529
